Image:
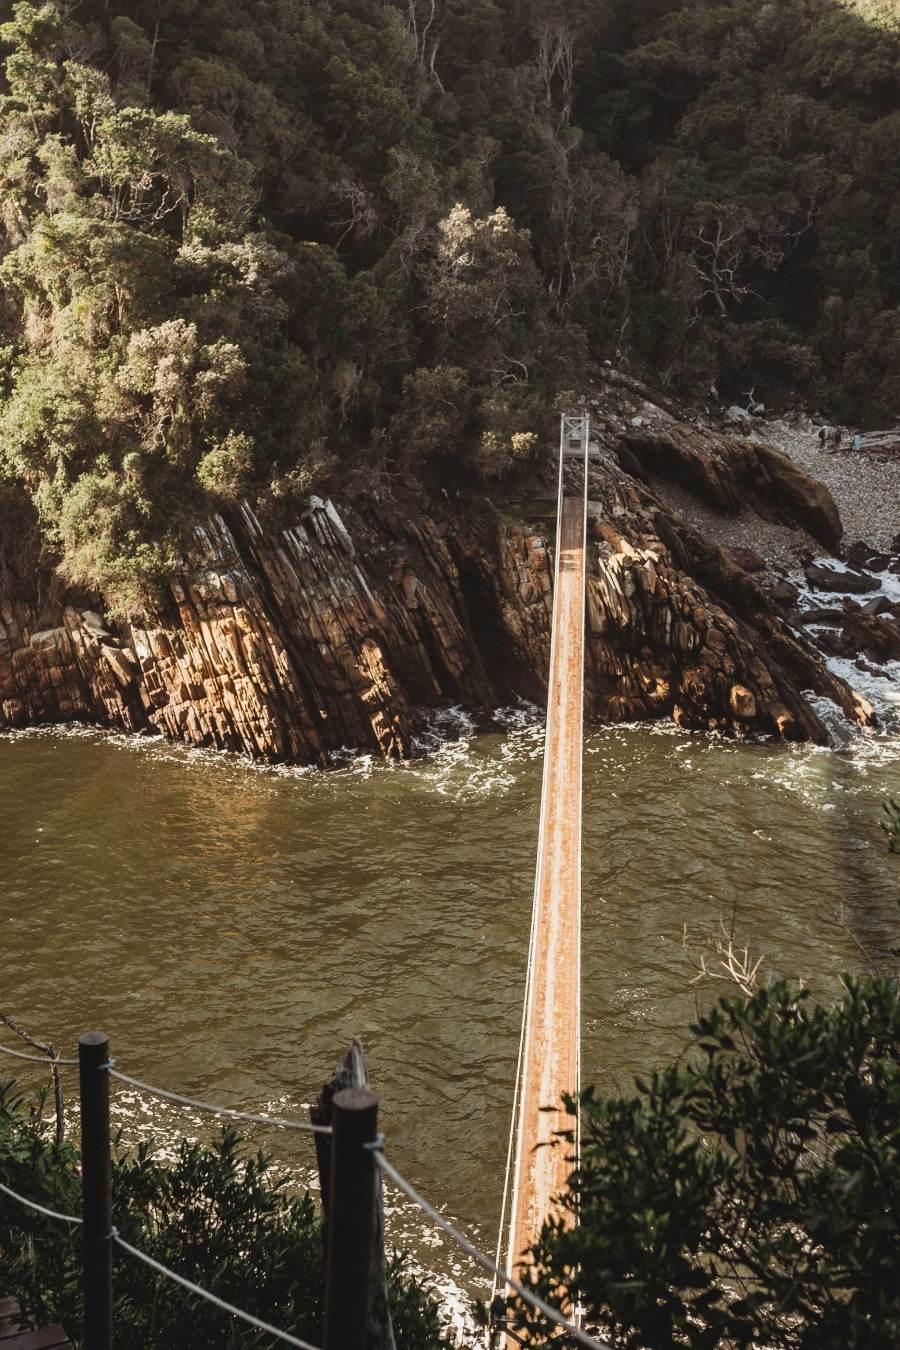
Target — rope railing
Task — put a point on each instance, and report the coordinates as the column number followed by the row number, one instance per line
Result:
column 36, row 1059
column 552, row 1314
column 31, row 1204
column 103, row 1069
column 302, row 1125
column 169, row 1274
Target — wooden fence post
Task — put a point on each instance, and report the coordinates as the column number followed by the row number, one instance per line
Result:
column 352, row 1072
column 96, row 1188
column 351, row 1218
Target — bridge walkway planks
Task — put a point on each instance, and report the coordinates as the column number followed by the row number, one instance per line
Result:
column 551, row 1047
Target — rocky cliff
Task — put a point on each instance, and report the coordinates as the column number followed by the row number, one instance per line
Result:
column 337, row 631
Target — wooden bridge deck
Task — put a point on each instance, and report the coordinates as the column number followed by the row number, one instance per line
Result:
column 49, row 1338
column 551, row 1047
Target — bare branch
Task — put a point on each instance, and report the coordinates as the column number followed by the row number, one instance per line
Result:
column 46, row 1049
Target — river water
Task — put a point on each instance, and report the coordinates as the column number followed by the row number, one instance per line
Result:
column 233, row 926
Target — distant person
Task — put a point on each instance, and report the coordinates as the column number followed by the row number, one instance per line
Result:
column 837, row 440
column 856, row 444
column 822, row 434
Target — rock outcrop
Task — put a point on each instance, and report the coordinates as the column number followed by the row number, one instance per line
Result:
column 731, row 473
column 337, row 631
column 283, row 647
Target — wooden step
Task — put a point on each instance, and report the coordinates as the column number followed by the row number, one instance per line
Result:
column 11, row 1338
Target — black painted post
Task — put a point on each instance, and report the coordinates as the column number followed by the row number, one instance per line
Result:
column 351, row 1218
column 96, row 1188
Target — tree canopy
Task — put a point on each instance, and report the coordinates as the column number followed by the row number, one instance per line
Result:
column 249, row 243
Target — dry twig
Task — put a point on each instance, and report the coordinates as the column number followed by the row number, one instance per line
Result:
column 48, row 1050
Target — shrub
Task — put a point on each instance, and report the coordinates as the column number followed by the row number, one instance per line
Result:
column 218, row 1215
column 750, row 1194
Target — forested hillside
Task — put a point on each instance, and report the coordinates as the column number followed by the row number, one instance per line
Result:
column 255, row 247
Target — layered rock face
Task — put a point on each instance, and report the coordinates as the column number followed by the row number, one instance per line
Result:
column 678, row 627
column 284, row 647
column 336, row 632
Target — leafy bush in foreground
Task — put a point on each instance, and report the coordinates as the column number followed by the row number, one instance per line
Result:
column 217, row 1215
column 750, row 1195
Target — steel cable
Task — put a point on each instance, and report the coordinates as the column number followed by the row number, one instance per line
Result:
column 514, row 1120
column 31, row 1204
column 36, row 1059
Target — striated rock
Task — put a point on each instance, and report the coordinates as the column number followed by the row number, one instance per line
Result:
column 674, row 624
column 336, row 631
column 878, row 638
column 729, row 474
column 117, row 660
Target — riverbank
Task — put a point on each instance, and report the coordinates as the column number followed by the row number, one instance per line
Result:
column 295, row 641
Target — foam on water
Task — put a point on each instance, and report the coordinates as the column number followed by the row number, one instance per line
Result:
column 882, row 691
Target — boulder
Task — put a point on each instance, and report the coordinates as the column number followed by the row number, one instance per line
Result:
column 742, row 702
column 731, row 474
column 737, row 417
column 800, row 497
column 862, row 555
column 830, row 579
column 94, row 624
column 880, row 605
column 783, row 593
column 747, row 558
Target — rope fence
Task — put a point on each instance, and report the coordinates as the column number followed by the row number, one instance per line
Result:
column 301, row 1125
column 30, row 1204
column 210, row 1298
column 164, row 1270
column 352, row 1247
column 37, row 1059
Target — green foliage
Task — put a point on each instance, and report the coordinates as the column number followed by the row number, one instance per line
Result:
column 364, row 198
column 750, row 1195
column 216, row 1215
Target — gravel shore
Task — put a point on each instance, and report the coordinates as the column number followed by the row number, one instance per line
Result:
column 866, row 489
column 865, row 486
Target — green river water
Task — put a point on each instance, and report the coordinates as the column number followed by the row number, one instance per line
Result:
column 233, row 926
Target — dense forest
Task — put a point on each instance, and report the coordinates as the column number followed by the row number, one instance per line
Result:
column 257, row 247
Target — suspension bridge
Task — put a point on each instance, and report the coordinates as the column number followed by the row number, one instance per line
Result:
column 350, row 1151
column 538, row 1162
